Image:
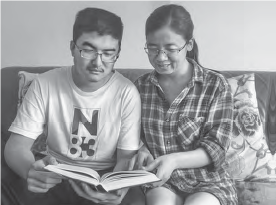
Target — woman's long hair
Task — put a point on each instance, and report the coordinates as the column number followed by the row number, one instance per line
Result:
column 178, row 19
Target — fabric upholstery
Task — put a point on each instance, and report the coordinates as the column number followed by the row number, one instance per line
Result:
column 255, row 189
column 248, row 156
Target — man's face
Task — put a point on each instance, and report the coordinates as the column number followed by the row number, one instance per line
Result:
column 91, row 68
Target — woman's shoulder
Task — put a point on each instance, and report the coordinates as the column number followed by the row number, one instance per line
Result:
column 215, row 78
column 145, row 77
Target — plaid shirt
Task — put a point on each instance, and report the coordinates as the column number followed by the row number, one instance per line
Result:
column 201, row 116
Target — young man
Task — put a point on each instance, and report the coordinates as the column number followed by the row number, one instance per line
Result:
column 91, row 112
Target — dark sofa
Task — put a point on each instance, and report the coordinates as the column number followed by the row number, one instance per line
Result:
column 265, row 84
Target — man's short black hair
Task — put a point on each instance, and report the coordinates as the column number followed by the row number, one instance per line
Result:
column 99, row 20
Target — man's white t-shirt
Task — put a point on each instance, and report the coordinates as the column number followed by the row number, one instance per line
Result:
column 84, row 128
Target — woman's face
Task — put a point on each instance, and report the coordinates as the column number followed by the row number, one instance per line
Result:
column 168, row 60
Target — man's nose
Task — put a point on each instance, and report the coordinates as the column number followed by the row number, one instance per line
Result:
column 98, row 60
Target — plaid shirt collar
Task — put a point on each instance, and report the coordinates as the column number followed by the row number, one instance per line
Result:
column 197, row 75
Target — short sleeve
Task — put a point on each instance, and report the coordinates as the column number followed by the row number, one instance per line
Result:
column 30, row 118
column 129, row 138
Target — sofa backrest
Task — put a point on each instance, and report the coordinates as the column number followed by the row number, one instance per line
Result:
column 265, row 84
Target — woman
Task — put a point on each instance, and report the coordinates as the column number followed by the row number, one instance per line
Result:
column 186, row 117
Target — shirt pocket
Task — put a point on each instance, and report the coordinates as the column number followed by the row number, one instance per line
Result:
column 188, row 130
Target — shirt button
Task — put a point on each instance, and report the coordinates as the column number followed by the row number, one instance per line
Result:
column 168, row 120
column 168, row 142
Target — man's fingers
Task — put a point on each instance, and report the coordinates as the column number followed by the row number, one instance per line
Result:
column 38, row 186
column 40, row 164
column 43, row 179
column 50, row 160
column 80, row 192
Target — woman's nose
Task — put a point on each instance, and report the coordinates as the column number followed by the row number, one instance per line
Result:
column 161, row 55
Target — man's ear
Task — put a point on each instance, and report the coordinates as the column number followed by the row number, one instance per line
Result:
column 190, row 44
column 72, row 47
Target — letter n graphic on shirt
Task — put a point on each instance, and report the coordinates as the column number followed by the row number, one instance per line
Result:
column 84, row 133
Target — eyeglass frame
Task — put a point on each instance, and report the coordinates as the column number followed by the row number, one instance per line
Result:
column 165, row 50
column 81, row 50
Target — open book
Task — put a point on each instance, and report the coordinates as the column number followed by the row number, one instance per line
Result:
column 109, row 181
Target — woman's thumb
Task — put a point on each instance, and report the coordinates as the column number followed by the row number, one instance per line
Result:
column 151, row 166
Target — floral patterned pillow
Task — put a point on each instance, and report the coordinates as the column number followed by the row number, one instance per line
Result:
column 248, row 157
column 25, row 80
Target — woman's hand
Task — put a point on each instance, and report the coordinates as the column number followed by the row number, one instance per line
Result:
column 164, row 165
column 39, row 180
column 84, row 190
column 141, row 159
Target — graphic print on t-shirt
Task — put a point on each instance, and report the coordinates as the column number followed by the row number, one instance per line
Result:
column 84, row 133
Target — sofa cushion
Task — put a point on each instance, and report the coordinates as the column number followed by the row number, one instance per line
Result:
column 253, row 193
column 248, row 151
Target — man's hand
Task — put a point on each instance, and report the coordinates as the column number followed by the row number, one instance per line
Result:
column 141, row 159
column 84, row 190
column 165, row 165
column 39, row 180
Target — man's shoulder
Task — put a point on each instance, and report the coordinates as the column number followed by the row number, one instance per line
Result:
column 122, row 80
column 123, row 85
column 57, row 73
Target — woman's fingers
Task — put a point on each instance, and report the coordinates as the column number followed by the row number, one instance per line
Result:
column 152, row 166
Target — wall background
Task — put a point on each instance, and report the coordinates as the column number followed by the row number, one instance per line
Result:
column 231, row 35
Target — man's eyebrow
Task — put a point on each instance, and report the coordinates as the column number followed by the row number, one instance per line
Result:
column 167, row 45
column 93, row 47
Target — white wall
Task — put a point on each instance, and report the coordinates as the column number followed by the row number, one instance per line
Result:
column 39, row 33
column 231, row 35
column 235, row 35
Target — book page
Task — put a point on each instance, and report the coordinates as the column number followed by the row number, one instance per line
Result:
column 86, row 175
column 122, row 174
column 122, row 179
column 79, row 169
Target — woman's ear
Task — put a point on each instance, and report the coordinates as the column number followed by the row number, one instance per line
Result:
column 72, row 47
column 190, row 44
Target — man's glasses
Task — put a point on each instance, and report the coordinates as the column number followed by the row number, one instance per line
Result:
column 92, row 54
column 151, row 51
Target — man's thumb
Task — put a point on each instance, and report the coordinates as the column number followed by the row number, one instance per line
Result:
column 50, row 160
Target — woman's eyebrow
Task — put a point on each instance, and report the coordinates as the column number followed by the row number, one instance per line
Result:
column 167, row 45
column 151, row 44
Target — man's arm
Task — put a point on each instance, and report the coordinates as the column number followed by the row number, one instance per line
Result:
column 18, row 154
column 123, row 159
column 20, row 159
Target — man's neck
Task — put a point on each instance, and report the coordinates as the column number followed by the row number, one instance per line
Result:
column 90, row 86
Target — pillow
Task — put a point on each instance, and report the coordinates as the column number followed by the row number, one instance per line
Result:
column 25, row 80
column 248, row 157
